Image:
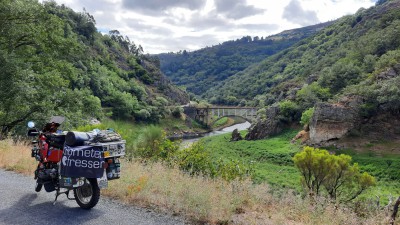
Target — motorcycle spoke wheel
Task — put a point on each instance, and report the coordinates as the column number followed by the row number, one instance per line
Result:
column 88, row 195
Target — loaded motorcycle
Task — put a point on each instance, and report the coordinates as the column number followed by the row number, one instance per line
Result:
column 81, row 162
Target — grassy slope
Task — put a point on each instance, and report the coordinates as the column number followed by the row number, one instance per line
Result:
column 272, row 161
column 386, row 168
column 271, row 158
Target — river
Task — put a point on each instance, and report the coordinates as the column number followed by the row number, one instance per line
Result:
column 240, row 126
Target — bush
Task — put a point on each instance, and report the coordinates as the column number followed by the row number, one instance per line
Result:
column 306, row 116
column 177, row 111
column 154, row 145
column 333, row 172
column 196, row 160
column 289, row 110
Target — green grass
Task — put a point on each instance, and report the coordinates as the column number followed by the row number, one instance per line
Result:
column 220, row 122
column 128, row 130
column 385, row 168
column 271, row 158
column 272, row 162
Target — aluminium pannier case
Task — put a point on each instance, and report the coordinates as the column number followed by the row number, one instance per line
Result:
column 115, row 148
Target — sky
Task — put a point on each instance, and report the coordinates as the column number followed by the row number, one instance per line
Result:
column 161, row 26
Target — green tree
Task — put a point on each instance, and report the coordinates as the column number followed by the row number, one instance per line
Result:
column 333, row 172
column 311, row 94
column 289, row 110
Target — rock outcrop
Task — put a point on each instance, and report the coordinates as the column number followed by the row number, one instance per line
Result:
column 390, row 73
column 331, row 122
column 236, row 135
column 266, row 127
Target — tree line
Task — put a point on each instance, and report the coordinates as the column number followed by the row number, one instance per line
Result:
column 54, row 61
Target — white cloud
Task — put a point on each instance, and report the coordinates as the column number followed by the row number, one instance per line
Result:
column 295, row 13
column 163, row 26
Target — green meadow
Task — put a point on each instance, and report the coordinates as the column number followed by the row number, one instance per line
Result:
column 271, row 160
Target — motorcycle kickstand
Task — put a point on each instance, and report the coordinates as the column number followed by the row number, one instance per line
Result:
column 58, row 193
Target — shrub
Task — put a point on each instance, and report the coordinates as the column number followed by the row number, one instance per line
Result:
column 333, row 172
column 306, row 116
column 154, row 145
column 196, row 160
column 289, row 110
column 177, row 111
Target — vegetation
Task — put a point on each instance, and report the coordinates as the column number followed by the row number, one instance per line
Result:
column 352, row 56
column 270, row 159
column 306, row 116
column 55, row 62
column 201, row 70
column 204, row 200
column 221, row 122
column 333, row 172
column 272, row 162
column 149, row 143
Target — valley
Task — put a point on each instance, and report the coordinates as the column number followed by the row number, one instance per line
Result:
column 317, row 110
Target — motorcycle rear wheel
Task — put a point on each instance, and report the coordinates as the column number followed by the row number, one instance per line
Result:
column 88, row 195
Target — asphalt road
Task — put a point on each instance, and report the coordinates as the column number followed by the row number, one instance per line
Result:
column 20, row 204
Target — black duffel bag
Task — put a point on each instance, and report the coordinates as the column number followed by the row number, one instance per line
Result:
column 75, row 138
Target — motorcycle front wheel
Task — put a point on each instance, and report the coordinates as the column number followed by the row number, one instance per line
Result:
column 87, row 195
column 38, row 186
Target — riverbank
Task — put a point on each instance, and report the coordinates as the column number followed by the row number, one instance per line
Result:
column 226, row 130
column 228, row 124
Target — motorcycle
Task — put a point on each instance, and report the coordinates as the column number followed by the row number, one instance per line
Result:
column 81, row 162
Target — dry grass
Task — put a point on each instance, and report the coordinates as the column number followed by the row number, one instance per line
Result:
column 205, row 200
column 16, row 157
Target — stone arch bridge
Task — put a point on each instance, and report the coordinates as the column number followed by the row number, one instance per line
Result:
column 208, row 115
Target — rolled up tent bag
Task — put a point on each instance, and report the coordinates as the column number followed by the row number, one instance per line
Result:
column 75, row 138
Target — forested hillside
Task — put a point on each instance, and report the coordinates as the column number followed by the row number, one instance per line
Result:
column 201, row 70
column 357, row 55
column 54, row 61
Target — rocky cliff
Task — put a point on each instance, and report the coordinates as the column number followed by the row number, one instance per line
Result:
column 331, row 122
column 267, row 127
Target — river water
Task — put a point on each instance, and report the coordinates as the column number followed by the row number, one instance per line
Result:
column 240, row 126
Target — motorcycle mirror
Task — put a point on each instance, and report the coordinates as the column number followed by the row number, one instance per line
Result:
column 31, row 124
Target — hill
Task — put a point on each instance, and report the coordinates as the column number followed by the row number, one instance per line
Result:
column 357, row 55
column 54, row 61
column 201, row 70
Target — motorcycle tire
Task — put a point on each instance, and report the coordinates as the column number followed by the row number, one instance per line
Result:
column 88, row 195
column 38, row 186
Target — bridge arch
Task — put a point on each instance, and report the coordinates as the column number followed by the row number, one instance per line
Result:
column 207, row 115
column 215, row 120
